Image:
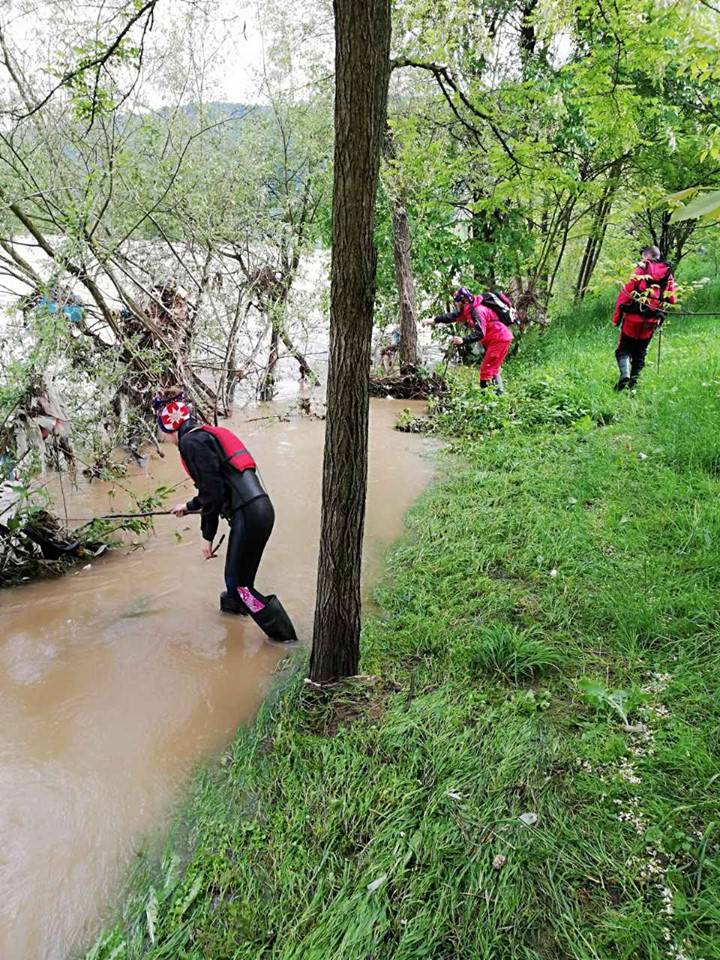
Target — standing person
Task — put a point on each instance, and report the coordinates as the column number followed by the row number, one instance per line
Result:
column 391, row 347
column 486, row 326
column 225, row 475
column 639, row 313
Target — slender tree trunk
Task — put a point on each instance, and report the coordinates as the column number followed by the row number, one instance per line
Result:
column 682, row 233
column 306, row 371
column 595, row 240
column 405, row 285
column 593, row 247
column 267, row 387
column 528, row 36
column 665, row 239
column 404, row 280
column 227, row 383
column 362, row 69
column 561, row 252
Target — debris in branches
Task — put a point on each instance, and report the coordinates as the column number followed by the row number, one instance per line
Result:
column 315, row 409
column 408, row 385
column 37, row 545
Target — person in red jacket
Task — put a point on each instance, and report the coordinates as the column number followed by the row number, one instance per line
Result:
column 639, row 313
column 485, row 326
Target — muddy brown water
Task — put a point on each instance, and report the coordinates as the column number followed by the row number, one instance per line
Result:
column 116, row 681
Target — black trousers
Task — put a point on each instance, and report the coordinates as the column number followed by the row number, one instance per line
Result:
column 250, row 529
column 630, row 356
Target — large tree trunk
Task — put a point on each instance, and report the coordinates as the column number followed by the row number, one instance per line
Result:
column 405, row 285
column 362, row 69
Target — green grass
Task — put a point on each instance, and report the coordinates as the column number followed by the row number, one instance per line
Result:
column 548, row 645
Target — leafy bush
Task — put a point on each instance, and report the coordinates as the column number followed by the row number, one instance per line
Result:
column 471, row 411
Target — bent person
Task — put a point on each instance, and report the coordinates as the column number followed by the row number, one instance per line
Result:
column 225, row 475
column 486, row 326
column 639, row 313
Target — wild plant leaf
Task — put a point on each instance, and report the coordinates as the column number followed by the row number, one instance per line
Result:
column 682, row 194
column 706, row 205
column 192, row 894
column 151, row 914
column 618, row 700
column 594, row 691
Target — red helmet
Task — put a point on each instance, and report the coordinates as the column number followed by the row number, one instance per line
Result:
column 173, row 415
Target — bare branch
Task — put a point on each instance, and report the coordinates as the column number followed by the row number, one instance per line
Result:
column 443, row 76
column 96, row 63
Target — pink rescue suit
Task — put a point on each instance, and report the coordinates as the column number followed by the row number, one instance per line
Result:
column 486, row 327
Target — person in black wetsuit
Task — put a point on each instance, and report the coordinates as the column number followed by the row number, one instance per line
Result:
column 226, row 478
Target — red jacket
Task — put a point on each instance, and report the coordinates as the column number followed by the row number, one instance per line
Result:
column 646, row 277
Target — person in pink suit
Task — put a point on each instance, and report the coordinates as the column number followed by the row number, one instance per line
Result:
column 486, row 326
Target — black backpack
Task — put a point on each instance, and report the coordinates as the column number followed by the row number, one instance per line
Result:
column 500, row 304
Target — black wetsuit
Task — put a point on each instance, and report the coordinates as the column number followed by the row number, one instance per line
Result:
column 238, row 496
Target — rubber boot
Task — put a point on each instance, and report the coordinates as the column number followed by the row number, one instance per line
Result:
column 635, row 373
column 623, row 362
column 274, row 621
column 499, row 385
column 484, row 383
column 230, row 604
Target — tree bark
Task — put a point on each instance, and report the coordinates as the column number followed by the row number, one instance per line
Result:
column 528, row 35
column 266, row 391
column 362, row 70
column 405, row 285
column 404, row 280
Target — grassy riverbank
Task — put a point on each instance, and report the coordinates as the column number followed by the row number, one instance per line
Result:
column 530, row 767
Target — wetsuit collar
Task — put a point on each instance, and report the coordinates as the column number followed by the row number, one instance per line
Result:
column 187, row 427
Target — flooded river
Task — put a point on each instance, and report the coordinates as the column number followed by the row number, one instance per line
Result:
column 116, row 681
